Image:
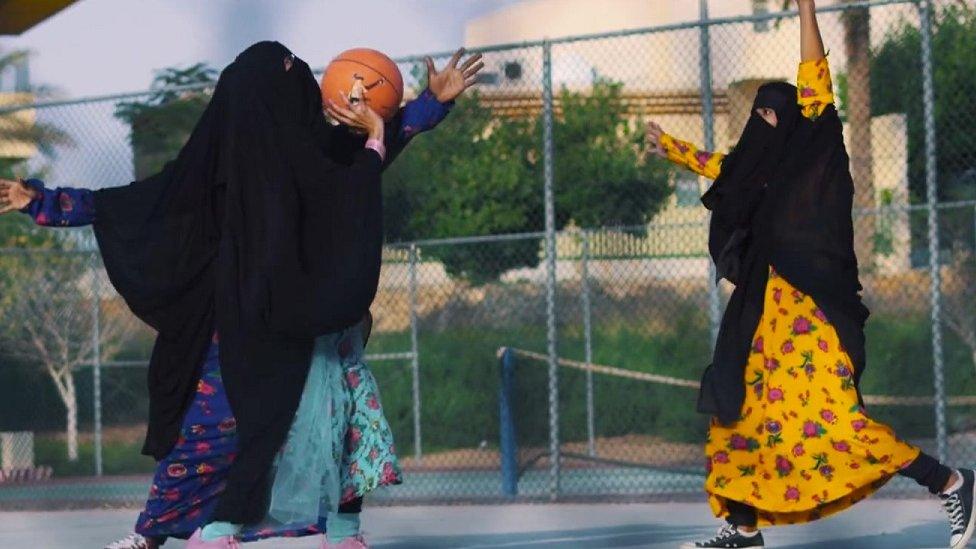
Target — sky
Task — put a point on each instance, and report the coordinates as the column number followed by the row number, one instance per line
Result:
column 107, row 46
column 102, row 47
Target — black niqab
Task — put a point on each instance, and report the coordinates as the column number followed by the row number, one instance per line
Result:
column 783, row 200
column 253, row 232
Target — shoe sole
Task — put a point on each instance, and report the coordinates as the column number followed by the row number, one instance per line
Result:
column 692, row 545
column 971, row 527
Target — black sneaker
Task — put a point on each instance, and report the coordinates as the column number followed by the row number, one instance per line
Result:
column 728, row 536
column 959, row 506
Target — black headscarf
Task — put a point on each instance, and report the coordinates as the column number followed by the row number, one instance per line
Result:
column 253, row 232
column 783, row 199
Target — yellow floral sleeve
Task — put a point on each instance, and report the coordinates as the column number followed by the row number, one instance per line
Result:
column 683, row 153
column 813, row 87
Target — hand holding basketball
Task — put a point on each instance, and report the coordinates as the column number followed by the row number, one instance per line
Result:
column 451, row 82
column 14, row 195
column 364, row 76
column 357, row 116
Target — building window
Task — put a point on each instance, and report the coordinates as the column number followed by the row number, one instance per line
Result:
column 513, row 70
column 686, row 191
column 16, row 78
column 760, row 7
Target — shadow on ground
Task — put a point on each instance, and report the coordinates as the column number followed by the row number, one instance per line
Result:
column 659, row 535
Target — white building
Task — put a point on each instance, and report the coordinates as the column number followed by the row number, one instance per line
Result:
column 661, row 77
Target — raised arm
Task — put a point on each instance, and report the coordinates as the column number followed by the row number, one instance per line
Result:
column 683, row 153
column 813, row 83
column 811, row 44
column 419, row 115
column 60, row 207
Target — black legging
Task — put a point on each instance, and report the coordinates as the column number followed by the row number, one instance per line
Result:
column 925, row 470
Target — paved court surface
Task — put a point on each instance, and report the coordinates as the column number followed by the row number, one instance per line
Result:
column 880, row 523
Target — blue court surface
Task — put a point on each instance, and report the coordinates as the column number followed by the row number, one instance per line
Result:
column 877, row 523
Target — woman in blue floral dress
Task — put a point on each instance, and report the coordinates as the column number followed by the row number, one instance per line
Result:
column 339, row 433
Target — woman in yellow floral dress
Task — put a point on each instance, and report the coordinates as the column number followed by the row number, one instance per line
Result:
column 790, row 441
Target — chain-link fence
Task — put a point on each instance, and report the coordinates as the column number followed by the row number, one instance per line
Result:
column 541, row 327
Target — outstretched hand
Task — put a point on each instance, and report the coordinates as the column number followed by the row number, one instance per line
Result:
column 14, row 195
column 652, row 139
column 451, row 82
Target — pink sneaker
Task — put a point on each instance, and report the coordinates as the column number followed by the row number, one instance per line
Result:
column 223, row 542
column 355, row 542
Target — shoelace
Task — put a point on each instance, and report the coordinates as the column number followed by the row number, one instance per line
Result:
column 724, row 533
column 954, row 508
column 132, row 541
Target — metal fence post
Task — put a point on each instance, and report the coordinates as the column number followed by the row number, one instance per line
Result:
column 415, row 355
column 550, row 213
column 96, row 362
column 932, row 197
column 708, row 130
column 588, row 344
column 508, row 443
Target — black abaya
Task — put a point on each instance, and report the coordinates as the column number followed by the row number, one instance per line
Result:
column 223, row 239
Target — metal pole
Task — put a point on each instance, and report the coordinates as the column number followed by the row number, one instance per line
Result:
column 708, row 129
column 932, row 197
column 415, row 355
column 508, row 443
column 550, row 212
column 588, row 345
column 97, row 362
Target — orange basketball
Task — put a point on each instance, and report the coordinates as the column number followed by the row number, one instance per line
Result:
column 365, row 75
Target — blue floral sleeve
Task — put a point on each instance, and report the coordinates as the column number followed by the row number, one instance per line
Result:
column 60, row 207
column 422, row 114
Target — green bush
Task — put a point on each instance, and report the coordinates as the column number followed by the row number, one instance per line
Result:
column 460, row 384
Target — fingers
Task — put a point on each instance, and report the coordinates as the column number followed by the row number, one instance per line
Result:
column 431, row 70
column 472, row 71
column 455, row 58
column 471, row 61
column 342, row 116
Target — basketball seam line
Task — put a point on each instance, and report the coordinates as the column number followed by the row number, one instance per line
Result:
column 360, row 63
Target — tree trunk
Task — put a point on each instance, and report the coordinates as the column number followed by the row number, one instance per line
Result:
column 71, row 405
column 857, row 43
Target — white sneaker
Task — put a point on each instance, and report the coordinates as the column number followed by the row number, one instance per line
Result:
column 132, row 541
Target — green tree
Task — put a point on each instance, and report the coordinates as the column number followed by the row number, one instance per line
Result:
column 481, row 174
column 896, row 87
column 163, row 121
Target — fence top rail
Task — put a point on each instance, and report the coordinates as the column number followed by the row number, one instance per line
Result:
column 685, row 25
column 613, row 371
column 87, row 246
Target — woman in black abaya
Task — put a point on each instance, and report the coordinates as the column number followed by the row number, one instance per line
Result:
column 263, row 235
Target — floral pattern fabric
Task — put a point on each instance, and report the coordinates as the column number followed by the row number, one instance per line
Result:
column 814, row 91
column 188, row 482
column 804, row 447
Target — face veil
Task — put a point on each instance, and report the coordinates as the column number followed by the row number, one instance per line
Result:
column 783, row 201
column 746, row 172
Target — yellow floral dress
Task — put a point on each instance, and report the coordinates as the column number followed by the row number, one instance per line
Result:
column 803, row 447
